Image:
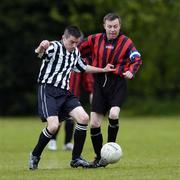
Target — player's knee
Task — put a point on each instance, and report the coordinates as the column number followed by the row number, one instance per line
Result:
column 95, row 124
column 53, row 127
column 114, row 113
column 114, row 116
column 53, row 124
column 84, row 118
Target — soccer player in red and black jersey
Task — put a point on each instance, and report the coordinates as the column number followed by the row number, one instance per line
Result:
column 110, row 89
column 77, row 80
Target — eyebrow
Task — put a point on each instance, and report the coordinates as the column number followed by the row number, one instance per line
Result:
column 112, row 25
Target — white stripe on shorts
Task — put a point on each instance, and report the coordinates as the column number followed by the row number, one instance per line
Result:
column 43, row 99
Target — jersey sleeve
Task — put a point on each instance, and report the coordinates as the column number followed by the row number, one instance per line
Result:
column 134, row 61
column 80, row 65
column 130, row 61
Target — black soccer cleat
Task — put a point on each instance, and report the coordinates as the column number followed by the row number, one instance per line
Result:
column 33, row 162
column 98, row 162
column 79, row 162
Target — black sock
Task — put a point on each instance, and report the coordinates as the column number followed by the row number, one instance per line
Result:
column 54, row 136
column 69, row 128
column 79, row 139
column 112, row 130
column 44, row 138
column 97, row 141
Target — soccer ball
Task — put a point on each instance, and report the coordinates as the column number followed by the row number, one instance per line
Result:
column 111, row 153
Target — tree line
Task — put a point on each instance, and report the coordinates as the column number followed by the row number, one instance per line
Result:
column 153, row 26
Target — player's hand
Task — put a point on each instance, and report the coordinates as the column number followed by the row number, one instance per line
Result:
column 42, row 47
column 109, row 68
column 45, row 44
column 128, row 75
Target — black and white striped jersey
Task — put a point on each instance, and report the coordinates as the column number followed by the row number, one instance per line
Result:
column 57, row 64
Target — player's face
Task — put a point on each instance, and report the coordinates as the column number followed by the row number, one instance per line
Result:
column 112, row 28
column 70, row 42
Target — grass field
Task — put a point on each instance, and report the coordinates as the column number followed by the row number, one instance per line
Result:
column 151, row 147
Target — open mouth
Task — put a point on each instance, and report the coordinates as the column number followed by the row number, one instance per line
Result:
column 113, row 35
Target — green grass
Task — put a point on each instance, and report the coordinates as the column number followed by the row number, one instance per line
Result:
column 151, row 150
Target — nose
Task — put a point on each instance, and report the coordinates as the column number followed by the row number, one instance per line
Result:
column 112, row 28
column 74, row 45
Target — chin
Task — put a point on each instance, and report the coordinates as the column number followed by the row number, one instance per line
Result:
column 70, row 50
column 113, row 37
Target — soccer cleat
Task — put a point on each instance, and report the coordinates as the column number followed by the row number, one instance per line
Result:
column 98, row 162
column 79, row 162
column 33, row 162
column 52, row 145
column 68, row 147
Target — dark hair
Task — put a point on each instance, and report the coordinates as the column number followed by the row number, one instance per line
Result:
column 72, row 31
column 111, row 17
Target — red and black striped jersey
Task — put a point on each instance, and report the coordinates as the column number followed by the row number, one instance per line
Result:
column 81, row 79
column 120, row 52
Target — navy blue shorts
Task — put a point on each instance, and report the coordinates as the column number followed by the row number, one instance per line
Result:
column 54, row 101
column 109, row 90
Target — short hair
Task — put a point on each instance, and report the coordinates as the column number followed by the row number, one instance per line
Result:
column 111, row 17
column 72, row 31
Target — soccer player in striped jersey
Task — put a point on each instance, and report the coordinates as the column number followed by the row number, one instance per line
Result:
column 77, row 80
column 54, row 97
column 110, row 89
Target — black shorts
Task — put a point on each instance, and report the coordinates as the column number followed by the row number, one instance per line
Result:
column 109, row 90
column 54, row 101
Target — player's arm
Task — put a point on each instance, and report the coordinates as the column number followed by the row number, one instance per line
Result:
column 92, row 69
column 135, row 63
column 81, row 66
column 42, row 48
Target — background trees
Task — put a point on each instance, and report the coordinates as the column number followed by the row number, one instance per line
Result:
column 152, row 24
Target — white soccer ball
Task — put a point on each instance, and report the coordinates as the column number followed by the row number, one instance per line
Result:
column 111, row 153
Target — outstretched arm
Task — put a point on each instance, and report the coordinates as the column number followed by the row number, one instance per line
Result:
column 92, row 69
